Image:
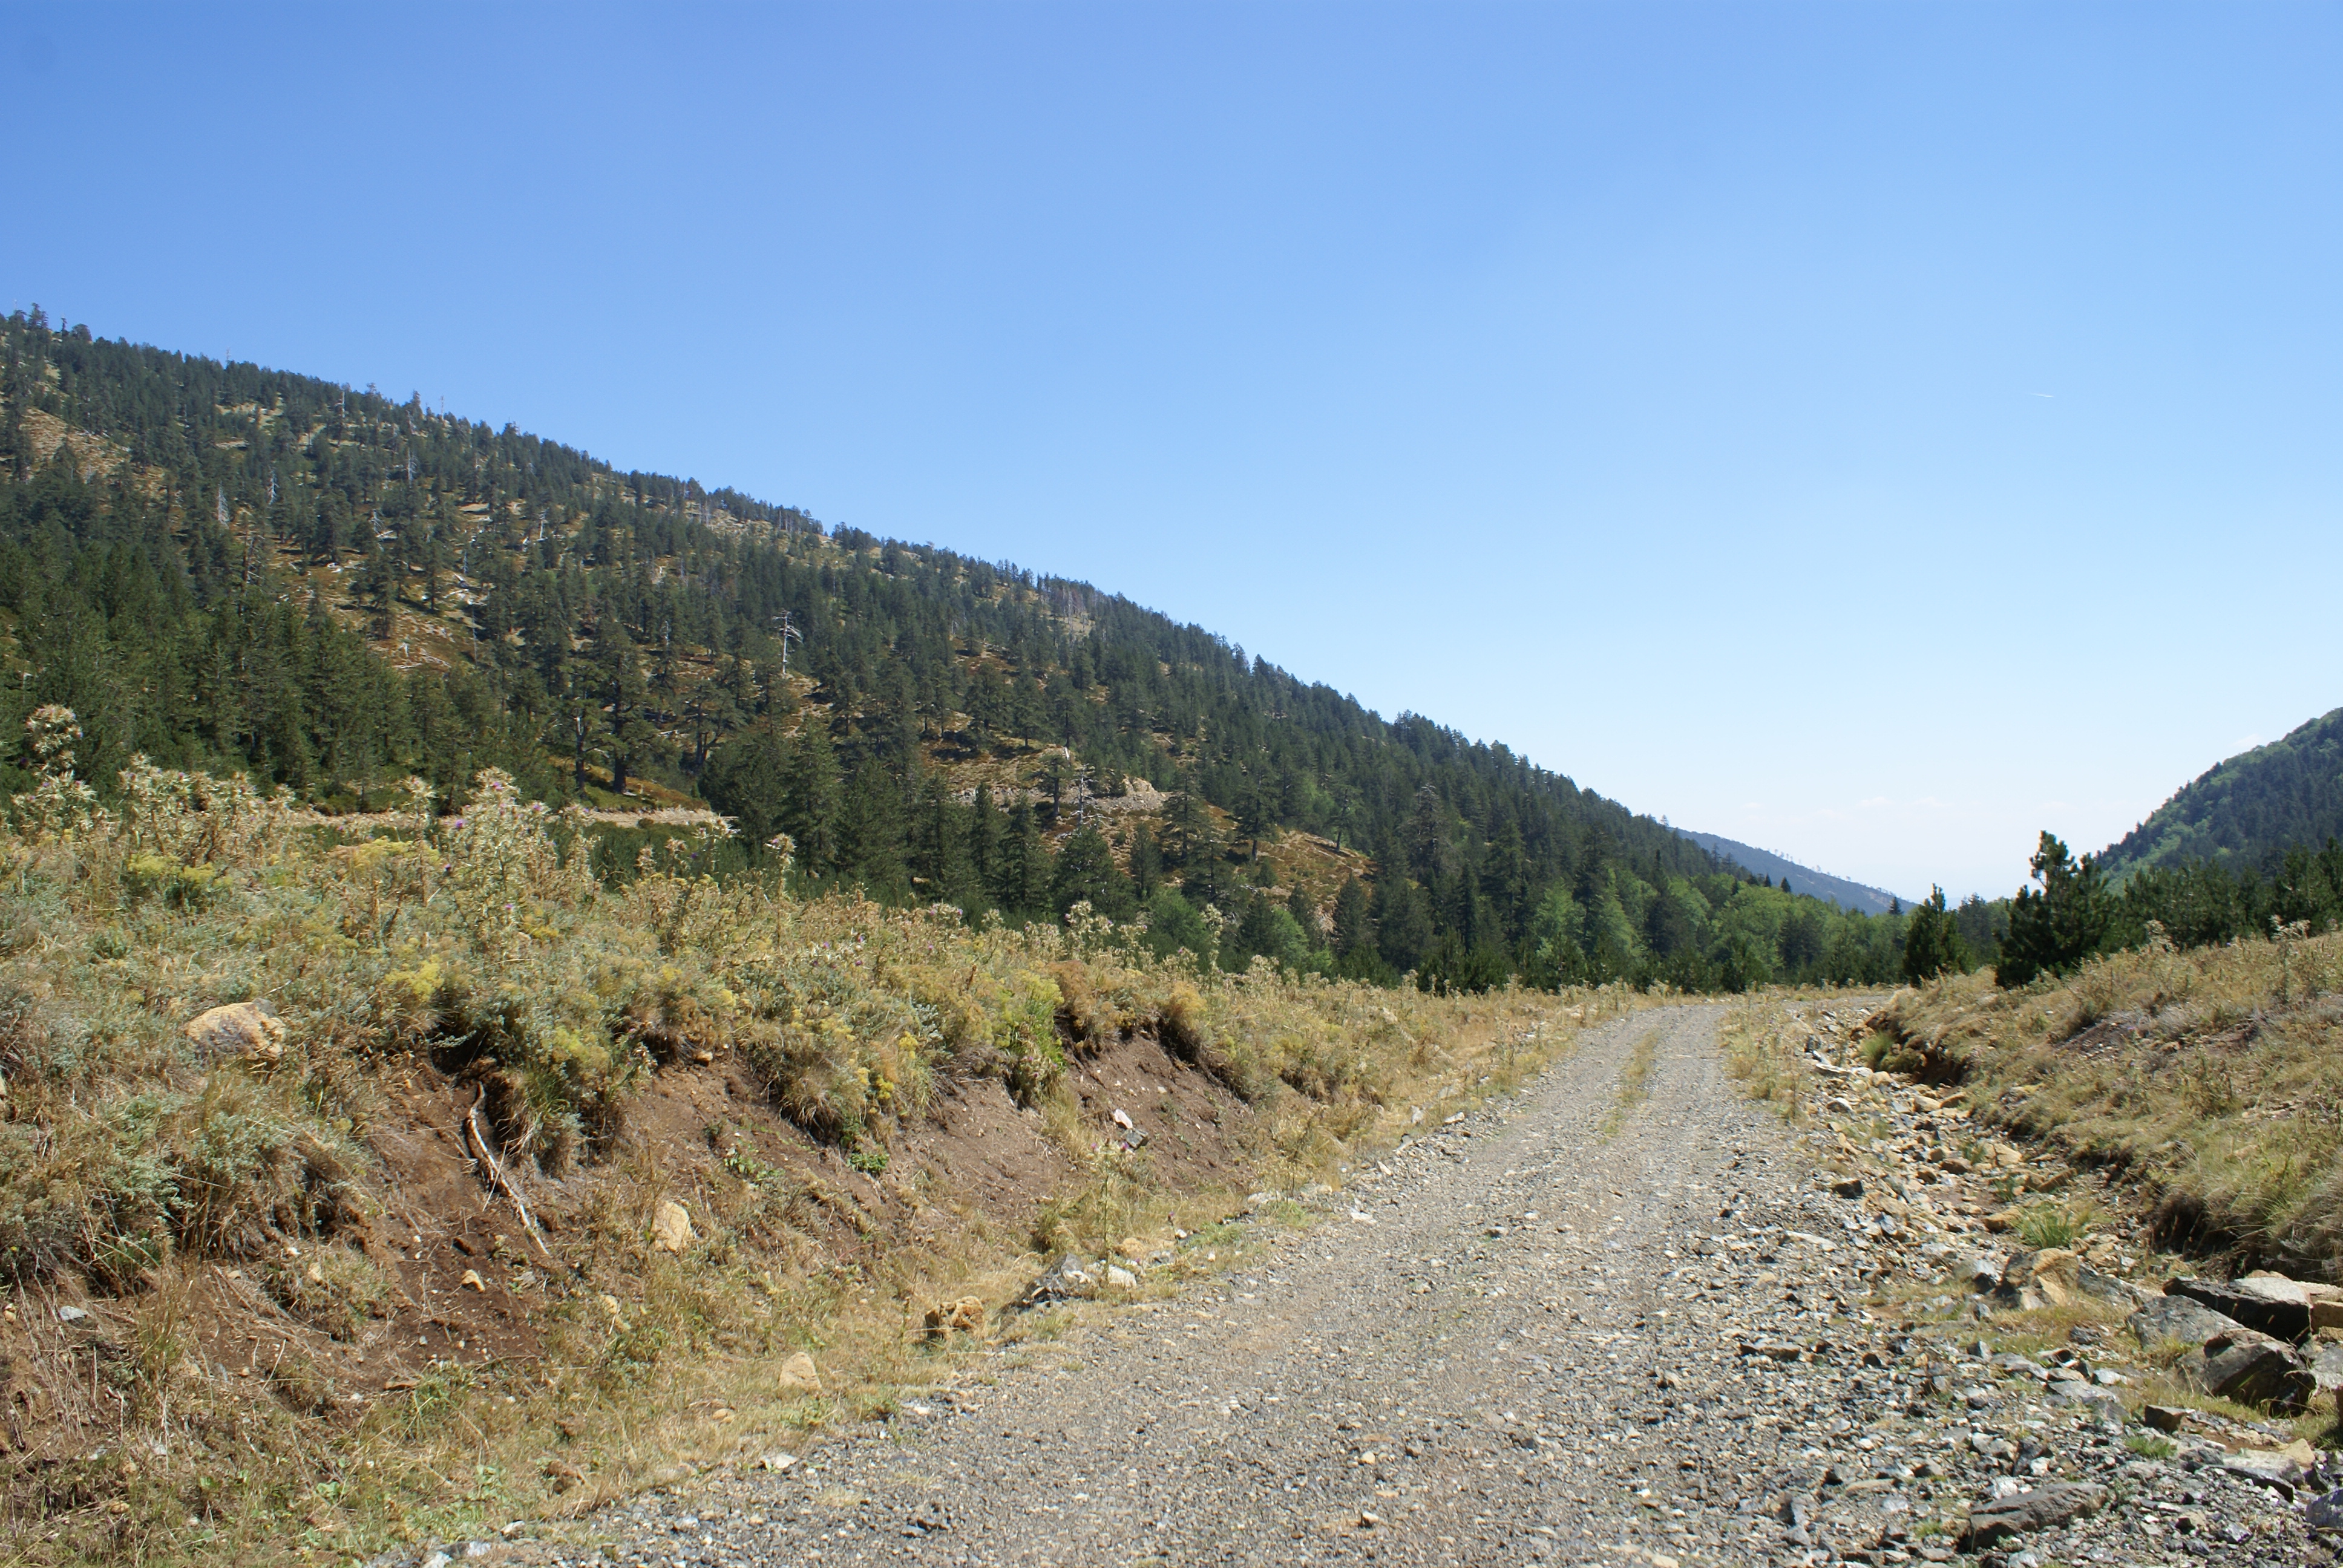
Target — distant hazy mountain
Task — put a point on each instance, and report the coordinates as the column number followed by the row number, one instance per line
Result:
column 1847, row 895
column 2288, row 792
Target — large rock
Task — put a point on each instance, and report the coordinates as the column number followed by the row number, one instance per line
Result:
column 250, row 1030
column 2054, row 1503
column 2254, row 1369
column 2274, row 1306
column 2179, row 1318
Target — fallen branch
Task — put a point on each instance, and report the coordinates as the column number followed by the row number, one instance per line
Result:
column 478, row 1137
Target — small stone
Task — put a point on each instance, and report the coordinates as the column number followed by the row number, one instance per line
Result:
column 1116, row 1274
column 472, row 1280
column 775, row 1460
column 798, row 1375
column 2163, row 1417
column 72, row 1314
column 1852, row 1187
column 671, row 1226
column 438, row 1559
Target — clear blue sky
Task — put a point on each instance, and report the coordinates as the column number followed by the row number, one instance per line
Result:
column 1873, row 431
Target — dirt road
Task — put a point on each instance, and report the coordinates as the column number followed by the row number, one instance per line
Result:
column 1621, row 1318
column 1503, row 1347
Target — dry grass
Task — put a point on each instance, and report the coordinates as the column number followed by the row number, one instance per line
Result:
column 2209, row 1079
column 175, row 1194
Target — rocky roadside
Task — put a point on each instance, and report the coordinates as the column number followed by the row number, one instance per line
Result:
column 1627, row 1316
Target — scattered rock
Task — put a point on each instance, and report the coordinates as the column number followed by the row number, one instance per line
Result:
column 2325, row 1512
column 1071, row 1278
column 72, row 1314
column 964, row 1316
column 250, row 1030
column 671, row 1226
column 2163, row 1417
column 798, row 1375
column 1117, row 1275
column 471, row 1281
column 2047, row 1278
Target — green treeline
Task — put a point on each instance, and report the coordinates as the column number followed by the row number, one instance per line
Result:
column 2074, row 913
column 233, row 568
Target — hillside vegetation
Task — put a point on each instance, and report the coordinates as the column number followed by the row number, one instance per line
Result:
column 234, row 569
column 382, row 1184
column 2209, row 1079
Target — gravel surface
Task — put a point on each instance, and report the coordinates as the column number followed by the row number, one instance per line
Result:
column 1621, row 1318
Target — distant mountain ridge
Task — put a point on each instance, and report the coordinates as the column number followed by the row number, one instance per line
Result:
column 1847, row 895
column 2286, row 793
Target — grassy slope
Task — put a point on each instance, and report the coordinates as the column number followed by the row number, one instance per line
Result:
column 313, row 1327
column 2209, row 1079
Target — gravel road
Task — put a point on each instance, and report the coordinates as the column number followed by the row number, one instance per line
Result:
column 1617, row 1319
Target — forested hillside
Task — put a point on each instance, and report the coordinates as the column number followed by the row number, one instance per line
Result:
column 2242, row 811
column 228, row 567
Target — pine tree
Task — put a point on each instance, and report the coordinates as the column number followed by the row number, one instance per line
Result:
column 810, row 801
column 1353, row 931
column 1086, row 869
column 1932, row 944
column 2053, row 930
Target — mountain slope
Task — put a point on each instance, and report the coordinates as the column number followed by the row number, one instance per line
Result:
column 1758, row 862
column 2287, row 793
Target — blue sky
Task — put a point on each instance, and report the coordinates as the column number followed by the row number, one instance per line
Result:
column 1874, row 432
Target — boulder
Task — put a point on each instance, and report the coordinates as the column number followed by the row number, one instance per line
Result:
column 798, row 1375
column 250, row 1030
column 2054, row 1503
column 2254, row 1369
column 2287, row 1466
column 2325, row 1512
column 671, row 1226
column 2278, row 1307
column 2179, row 1318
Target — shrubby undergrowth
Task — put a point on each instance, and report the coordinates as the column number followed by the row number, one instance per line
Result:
column 161, row 1175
